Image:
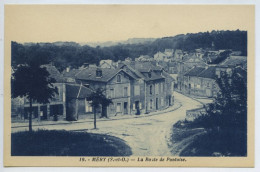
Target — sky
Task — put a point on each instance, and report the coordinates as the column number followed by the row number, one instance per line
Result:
column 100, row 23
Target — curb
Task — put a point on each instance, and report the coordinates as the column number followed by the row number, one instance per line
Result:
column 109, row 119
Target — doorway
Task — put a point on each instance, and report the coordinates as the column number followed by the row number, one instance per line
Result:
column 137, row 107
column 125, row 108
column 156, row 103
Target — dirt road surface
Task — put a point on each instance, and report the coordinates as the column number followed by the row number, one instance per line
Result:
column 147, row 136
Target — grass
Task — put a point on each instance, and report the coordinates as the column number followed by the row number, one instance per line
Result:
column 225, row 142
column 213, row 143
column 66, row 143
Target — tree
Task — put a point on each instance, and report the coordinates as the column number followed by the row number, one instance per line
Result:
column 32, row 82
column 226, row 118
column 97, row 99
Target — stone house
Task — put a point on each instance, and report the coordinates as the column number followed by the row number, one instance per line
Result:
column 153, row 87
column 115, row 82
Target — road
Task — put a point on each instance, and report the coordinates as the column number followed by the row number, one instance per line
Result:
column 147, row 136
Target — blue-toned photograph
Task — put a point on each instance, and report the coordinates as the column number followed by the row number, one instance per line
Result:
column 108, row 85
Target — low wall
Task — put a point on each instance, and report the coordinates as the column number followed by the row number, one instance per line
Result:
column 194, row 113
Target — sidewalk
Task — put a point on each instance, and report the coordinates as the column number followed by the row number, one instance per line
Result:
column 202, row 100
column 176, row 106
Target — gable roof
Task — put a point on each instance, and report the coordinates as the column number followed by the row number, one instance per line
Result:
column 107, row 74
column 234, row 61
column 76, row 91
column 90, row 74
column 195, row 71
column 72, row 73
column 141, row 69
column 210, row 73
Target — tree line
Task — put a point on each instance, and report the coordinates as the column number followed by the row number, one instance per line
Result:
column 64, row 54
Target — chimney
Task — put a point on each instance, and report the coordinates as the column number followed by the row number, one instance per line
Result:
column 67, row 69
column 85, row 65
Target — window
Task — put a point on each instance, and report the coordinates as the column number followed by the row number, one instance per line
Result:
column 162, row 101
column 88, row 107
column 118, row 78
column 151, row 89
column 156, row 88
column 125, row 91
column 99, row 73
column 137, row 90
column 118, row 107
column 111, row 107
column 198, row 86
column 151, row 104
column 112, row 93
column 161, row 87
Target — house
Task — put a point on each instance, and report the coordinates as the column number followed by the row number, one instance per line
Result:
column 115, row 82
column 169, row 52
column 67, row 104
column 159, row 56
column 134, row 87
column 144, row 58
column 77, row 105
column 201, row 81
column 234, row 61
column 178, row 54
column 54, row 110
column 153, row 87
column 107, row 64
column 185, row 65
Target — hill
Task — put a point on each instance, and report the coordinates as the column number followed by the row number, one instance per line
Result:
column 64, row 54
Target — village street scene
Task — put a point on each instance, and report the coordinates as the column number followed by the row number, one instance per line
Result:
column 163, row 104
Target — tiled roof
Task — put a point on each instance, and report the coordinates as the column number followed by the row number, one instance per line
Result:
column 194, row 71
column 168, row 76
column 71, row 73
column 210, row 72
column 90, row 74
column 234, row 61
column 107, row 74
column 77, row 91
column 143, row 68
column 54, row 73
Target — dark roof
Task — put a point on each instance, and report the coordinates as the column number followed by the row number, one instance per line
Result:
column 77, row 91
column 142, row 70
column 195, row 71
column 54, row 73
column 107, row 74
column 234, row 61
column 90, row 74
column 210, row 72
column 72, row 73
column 168, row 76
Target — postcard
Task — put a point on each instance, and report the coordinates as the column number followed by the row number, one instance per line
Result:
column 129, row 85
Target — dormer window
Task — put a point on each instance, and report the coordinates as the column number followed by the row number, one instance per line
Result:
column 98, row 73
column 149, row 74
column 118, row 78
